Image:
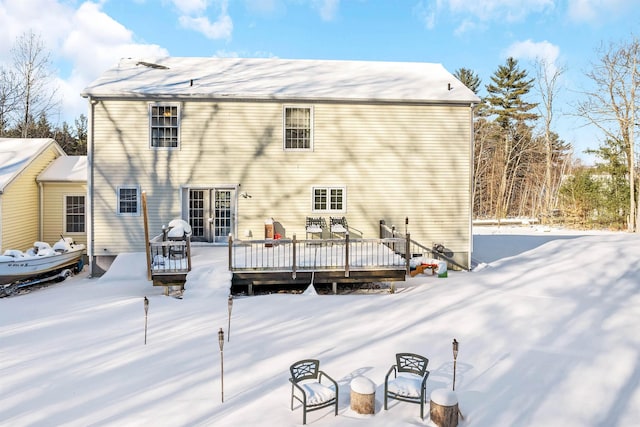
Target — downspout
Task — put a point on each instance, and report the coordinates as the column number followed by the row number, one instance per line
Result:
column 41, row 212
column 1, row 240
column 471, row 168
column 89, row 205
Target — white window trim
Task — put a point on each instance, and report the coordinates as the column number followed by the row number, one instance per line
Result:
column 284, row 127
column 329, row 188
column 179, row 113
column 138, row 201
column 64, row 213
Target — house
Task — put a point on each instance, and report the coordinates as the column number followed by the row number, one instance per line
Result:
column 21, row 161
column 230, row 144
column 63, row 198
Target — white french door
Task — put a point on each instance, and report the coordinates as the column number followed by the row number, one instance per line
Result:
column 211, row 213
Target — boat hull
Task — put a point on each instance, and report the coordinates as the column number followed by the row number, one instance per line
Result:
column 25, row 268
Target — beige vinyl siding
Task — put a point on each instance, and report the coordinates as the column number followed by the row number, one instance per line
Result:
column 122, row 157
column 21, row 205
column 53, row 223
column 395, row 161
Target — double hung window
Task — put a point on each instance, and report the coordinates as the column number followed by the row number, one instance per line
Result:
column 164, row 125
column 298, row 128
column 128, row 201
column 74, row 218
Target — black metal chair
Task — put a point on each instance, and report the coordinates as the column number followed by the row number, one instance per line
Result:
column 339, row 226
column 178, row 231
column 409, row 381
column 315, row 226
column 308, row 389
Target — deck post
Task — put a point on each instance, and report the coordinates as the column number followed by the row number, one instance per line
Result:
column 293, row 261
column 334, row 286
column 146, row 234
column 393, row 235
column 188, row 254
column 230, row 252
column 407, row 252
column 381, row 229
column 346, row 254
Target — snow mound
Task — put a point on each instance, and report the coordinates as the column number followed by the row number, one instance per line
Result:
column 311, row 290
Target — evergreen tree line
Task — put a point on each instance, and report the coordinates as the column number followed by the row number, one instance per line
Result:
column 523, row 169
column 28, row 97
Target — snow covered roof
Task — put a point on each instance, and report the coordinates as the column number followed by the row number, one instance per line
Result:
column 280, row 79
column 17, row 153
column 66, row 169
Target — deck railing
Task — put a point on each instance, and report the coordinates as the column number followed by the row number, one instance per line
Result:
column 170, row 256
column 293, row 255
column 416, row 249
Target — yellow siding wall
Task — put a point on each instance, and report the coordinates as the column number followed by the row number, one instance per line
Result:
column 53, row 223
column 395, row 161
column 20, row 205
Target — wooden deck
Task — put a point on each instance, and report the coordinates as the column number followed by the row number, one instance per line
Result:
column 283, row 264
column 294, row 264
column 249, row 283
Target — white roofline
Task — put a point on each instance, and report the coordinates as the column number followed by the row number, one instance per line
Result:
column 281, row 80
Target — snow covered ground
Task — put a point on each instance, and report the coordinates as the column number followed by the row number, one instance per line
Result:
column 547, row 324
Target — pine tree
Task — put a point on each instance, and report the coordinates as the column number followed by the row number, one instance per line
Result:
column 505, row 101
column 581, row 196
column 468, row 78
column 505, row 95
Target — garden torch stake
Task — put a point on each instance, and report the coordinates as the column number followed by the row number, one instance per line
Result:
column 221, row 342
column 230, row 306
column 455, row 356
column 146, row 312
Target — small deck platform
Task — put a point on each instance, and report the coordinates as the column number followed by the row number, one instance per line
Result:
column 170, row 262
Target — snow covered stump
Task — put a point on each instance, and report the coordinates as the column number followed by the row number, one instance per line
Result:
column 444, row 408
column 363, row 395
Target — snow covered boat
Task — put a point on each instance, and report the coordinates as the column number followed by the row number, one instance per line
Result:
column 40, row 263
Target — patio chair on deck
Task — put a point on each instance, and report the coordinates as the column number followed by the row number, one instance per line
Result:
column 315, row 227
column 179, row 230
column 409, row 381
column 339, row 227
column 308, row 389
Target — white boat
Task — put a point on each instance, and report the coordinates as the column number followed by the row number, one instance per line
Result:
column 40, row 263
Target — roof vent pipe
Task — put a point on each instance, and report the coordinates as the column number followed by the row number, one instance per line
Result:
column 448, row 86
column 191, row 82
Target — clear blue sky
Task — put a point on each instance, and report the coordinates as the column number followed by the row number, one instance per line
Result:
column 85, row 38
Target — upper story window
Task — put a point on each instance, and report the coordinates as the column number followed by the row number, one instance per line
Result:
column 128, row 201
column 164, row 124
column 74, row 208
column 298, row 128
column 329, row 199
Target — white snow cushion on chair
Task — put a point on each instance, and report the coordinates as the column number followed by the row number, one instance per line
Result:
column 314, row 229
column 318, row 393
column 176, row 232
column 180, row 226
column 409, row 386
column 338, row 228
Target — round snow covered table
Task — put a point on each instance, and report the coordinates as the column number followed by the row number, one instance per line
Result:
column 363, row 395
column 444, row 408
